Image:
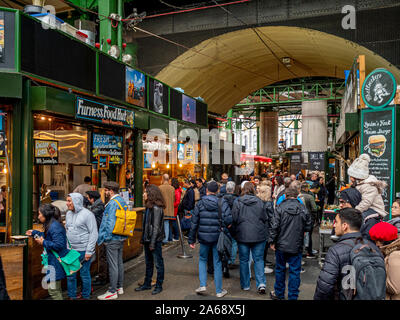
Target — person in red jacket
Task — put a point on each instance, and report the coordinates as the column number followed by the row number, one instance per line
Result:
column 178, row 194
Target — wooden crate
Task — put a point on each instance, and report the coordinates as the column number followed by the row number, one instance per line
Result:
column 12, row 257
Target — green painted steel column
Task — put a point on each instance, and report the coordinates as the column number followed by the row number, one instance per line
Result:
column 138, row 177
column 296, row 127
column 119, row 30
column 258, row 130
column 229, row 116
column 131, row 48
column 106, row 7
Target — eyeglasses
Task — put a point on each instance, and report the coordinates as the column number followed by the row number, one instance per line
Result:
column 342, row 201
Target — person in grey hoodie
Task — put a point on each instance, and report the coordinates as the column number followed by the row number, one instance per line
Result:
column 82, row 235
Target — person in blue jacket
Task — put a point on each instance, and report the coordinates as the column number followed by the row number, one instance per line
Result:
column 53, row 239
column 114, row 243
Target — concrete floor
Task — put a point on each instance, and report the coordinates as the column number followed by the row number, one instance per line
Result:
column 181, row 278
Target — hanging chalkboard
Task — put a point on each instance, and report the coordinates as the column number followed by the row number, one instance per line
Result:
column 295, row 162
column 316, row 161
column 377, row 140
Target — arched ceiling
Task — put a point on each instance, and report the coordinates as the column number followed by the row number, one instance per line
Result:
column 225, row 69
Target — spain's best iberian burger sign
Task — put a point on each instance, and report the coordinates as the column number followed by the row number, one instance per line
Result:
column 103, row 113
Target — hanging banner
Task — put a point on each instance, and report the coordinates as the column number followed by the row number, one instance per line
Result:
column 377, row 140
column 295, row 162
column 2, row 37
column 46, row 152
column 106, row 145
column 316, row 161
column 106, row 114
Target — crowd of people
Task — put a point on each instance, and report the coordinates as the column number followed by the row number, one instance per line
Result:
column 275, row 211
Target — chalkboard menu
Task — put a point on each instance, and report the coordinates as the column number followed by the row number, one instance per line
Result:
column 107, row 145
column 295, row 162
column 377, row 140
column 316, row 161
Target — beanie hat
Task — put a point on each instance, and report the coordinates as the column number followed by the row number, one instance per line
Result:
column 212, row 186
column 359, row 169
column 352, row 196
column 383, row 231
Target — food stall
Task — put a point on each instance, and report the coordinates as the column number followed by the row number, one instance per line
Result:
column 325, row 231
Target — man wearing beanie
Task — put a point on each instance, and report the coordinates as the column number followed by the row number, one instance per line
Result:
column 349, row 198
column 205, row 226
column 371, row 205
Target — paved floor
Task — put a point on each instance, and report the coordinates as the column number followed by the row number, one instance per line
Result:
column 181, row 278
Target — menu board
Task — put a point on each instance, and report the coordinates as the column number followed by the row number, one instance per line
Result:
column 103, row 162
column 46, row 151
column 316, row 161
column 377, row 140
column 104, row 144
column 295, row 162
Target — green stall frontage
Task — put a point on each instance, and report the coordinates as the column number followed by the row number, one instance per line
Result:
column 67, row 111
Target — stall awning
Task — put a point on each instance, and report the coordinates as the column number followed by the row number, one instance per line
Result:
column 249, row 157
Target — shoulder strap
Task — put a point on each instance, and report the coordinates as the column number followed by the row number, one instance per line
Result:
column 220, row 211
column 119, row 204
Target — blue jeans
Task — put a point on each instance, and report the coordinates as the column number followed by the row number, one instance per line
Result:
column 234, row 252
column 175, row 230
column 85, row 277
column 204, row 249
column 168, row 232
column 257, row 252
column 294, row 260
column 151, row 257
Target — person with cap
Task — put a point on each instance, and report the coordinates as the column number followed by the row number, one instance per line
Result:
column 97, row 207
column 82, row 235
column 386, row 238
column 371, row 189
column 337, row 261
column 113, row 243
column 205, row 226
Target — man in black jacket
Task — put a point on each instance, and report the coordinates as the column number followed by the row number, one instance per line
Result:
column 188, row 200
column 290, row 221
column 201, row 187
column 206, row 227
column 97, row 207
column 347, row 227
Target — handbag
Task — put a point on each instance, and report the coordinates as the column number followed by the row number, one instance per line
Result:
column 70, row 262
column 224, row 244
column 125, row 221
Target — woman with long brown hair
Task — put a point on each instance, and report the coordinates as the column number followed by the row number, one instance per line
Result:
column 152, row 236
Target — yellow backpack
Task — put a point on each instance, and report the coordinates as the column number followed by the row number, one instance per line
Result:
column 125, row 221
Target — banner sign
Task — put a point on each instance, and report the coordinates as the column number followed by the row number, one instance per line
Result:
column 46, row 151
column 103, row 113
column 295, row 162
column 379, row 88
column 377, row 140
column 2, row 37
column 106, row 145
column 316, row 161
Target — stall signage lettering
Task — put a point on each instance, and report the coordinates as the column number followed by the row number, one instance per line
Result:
column 379, row 88
column 46, row 152
column 107, row 145
column 378, row 142
column 107, row 114
column 316, row 161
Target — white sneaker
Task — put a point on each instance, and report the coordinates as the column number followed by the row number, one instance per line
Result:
column 108, row 296
column 314, row 251
column 268, row 270
column 222, row 293
column 200, row 290
column 303, row 262
column 120, row 290
column 287, row 265
column 175, row 240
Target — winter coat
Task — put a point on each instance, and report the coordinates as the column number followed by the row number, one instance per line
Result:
column 108, row 222
column 369, row 219
column 396, row 223
column 153, row 226
column 188, row 199
column 205, row 221
column 203, row 191
column 249, row 220
column 329, row 284
column 168, row 193
column 230, row 197
column 81, row 226
column 56, row 240
column 391, row 253
column 371, row 192
column 269, row 208
column 310, row 204
column 264, row 192
column 178, row 195
column 277, row 191
column 290, row 221
column 98, row 210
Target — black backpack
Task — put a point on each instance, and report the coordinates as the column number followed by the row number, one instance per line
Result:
column 224, row 244
column 370, row 272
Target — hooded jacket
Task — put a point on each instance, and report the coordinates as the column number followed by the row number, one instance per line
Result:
column 371, row 195
column 310, row 204
column 249, row 219
column 81, row 226
column 230, row 197
column 205, row 221
column 290, row 221
column 108, row 222
column 329, row 284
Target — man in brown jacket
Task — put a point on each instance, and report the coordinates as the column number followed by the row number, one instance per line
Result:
column 168, row 193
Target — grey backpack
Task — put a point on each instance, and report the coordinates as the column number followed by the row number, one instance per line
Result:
column 370, row 272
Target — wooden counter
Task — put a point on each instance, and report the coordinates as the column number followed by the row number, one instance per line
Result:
column 12, row 256
column 132, row 248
